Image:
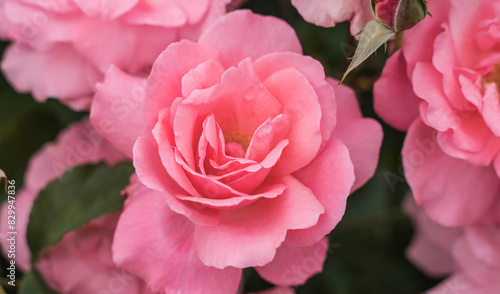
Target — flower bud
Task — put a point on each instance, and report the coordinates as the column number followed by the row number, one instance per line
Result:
column 399, row 15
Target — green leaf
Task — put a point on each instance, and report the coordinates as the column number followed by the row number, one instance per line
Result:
column 375, row 34
column 33, row 284
column 79, row 196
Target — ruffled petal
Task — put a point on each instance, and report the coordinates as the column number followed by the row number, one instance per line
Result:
column 362, row 136
column 165, row 253
column 295, row 265
column 446, row 187
column 116, row 109
column 249, row 236
column 238, row 35
column 330, row 176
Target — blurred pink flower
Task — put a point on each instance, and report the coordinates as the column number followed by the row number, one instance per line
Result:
column 327, row 13
column 82, row 262
column 471, row 255
column 61, row 48
column 443, row 87
column 430, row 248
column 244, row 159
column 79, row 144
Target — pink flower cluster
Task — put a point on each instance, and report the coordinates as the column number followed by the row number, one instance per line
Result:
column 73, row 42
column 443, row 87
column 245, row 153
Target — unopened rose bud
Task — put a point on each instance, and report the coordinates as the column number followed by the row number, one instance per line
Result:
column 399, row 15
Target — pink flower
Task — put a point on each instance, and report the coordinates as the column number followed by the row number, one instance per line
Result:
column 81, row 263
column 242, row 157
column 327, row 13
column 61, row 48
column 79, row 144
column 470, row 254
column 431, row 246
column 442, row 87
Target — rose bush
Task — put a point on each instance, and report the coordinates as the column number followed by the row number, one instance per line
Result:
column 447, row 96
column 61, row 48
column 245, row 155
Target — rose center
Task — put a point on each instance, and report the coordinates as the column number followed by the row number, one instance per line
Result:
column 237, row 144
column 493, row 77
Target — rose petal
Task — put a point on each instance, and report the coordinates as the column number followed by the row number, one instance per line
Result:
column 165, row 254
column 172, row 13
column 393, row 96
column 472, row 266
column 67, row 75
column 267, row 191
column 116, row 109
column 430, row 248
column 165, row 81
column 330, row 176
column 81, row 263
column 250, row 236
column 238, row 35
column 105, row 9
column 203, row 76
column 314, row 72
column 446, row 187
column 266, row 137
column 302, row 108
column 327, row 13
column 295, row 265
column 152, row 173
column 78, row 144
column 362, row 136
column 106, row 48
column 485, row 240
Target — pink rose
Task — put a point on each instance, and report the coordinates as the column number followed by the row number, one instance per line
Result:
column 79, row 144
column 242, row 158
column 470, row 254
column 61, row 48
column 327, row 13
column 442, row 87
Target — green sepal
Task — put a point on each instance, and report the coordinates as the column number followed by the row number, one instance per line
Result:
column 375, row 34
